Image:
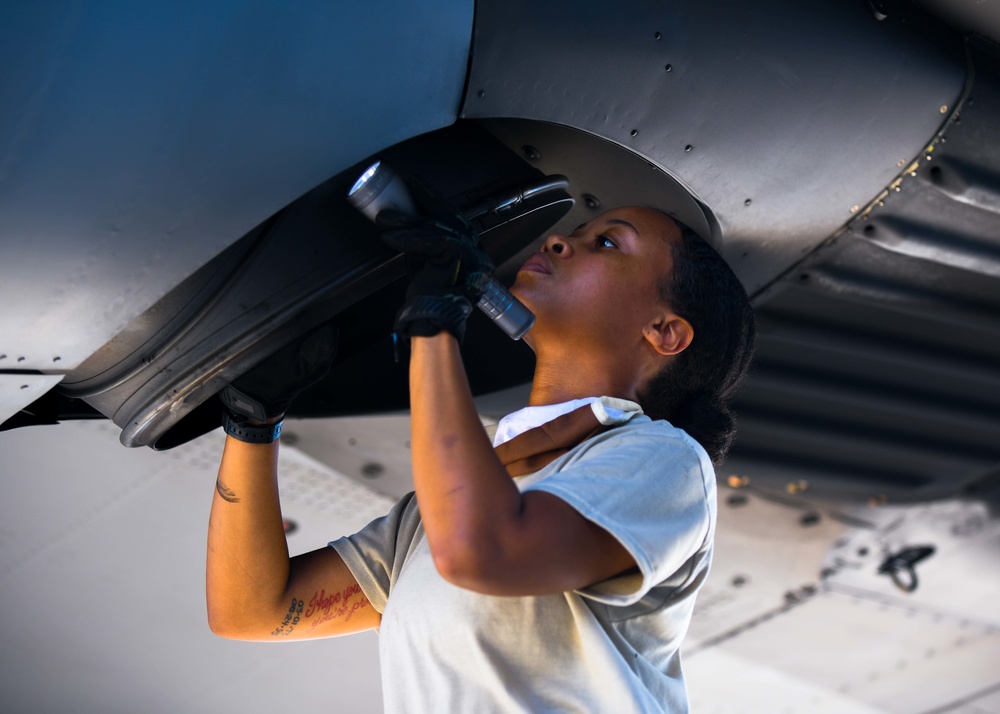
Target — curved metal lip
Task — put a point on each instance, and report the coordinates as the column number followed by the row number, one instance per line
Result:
column 189, row 381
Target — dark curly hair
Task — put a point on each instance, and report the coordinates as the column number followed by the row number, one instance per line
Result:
column 694, row 392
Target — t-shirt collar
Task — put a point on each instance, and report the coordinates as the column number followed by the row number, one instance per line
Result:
column 608, row 410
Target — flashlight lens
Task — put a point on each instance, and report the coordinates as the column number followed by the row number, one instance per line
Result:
column 363, row 179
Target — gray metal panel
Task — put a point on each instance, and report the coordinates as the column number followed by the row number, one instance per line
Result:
column 137, row 140
column 601, row 174
column 806, row 109
column 979, row 16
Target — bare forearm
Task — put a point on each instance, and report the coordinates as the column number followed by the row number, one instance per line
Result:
column 247, row 566
column 466, row 496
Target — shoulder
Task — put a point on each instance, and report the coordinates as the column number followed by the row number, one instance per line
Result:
column 649, row 438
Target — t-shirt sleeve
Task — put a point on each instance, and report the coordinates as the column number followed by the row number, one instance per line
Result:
column 375, row 553
column 653, row 489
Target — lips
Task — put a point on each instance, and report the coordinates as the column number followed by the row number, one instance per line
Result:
column 537, row 263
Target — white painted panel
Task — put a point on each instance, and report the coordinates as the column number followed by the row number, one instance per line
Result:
column 19, row 390
column 102, row 569
column 720, row 682
column 895, row 658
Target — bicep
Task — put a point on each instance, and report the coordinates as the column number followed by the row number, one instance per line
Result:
column 322, row 599
column 551, row 548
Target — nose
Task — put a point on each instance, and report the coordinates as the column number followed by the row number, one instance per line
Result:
column 557, row 244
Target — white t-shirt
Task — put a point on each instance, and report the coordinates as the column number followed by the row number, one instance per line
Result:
column 612, row 647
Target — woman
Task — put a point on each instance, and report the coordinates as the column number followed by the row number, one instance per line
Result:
column 557, row 571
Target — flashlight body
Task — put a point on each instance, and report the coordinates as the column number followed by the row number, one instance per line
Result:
column 509, row 313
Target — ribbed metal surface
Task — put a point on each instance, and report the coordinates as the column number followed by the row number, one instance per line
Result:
column 879, row 358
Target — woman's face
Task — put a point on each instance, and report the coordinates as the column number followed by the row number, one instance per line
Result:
column 599, row 285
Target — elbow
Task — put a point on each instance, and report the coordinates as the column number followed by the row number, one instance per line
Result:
column 465, row 566
column 221, row 627
column 227, row 626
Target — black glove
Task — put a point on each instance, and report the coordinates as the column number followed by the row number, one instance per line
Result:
column 267, row 389
column 448, row 274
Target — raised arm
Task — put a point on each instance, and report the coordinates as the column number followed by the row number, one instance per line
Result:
column 483, row 534
column 254, row 591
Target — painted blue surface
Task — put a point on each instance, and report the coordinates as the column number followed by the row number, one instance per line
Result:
column 138, row 139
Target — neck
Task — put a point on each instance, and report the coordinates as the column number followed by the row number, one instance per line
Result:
column 562, row 377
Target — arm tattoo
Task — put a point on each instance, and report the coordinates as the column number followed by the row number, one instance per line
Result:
column 226, row 493
column 292, row 618
column 323, row 607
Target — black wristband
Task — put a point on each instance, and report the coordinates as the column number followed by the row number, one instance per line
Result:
column 237, row 428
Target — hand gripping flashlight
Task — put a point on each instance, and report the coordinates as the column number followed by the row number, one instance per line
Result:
column 380, row 188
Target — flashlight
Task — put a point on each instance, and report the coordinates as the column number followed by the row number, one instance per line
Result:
column 379, row 188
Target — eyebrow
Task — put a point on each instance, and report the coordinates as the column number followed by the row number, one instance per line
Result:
column 614, row 222
column 620, row 222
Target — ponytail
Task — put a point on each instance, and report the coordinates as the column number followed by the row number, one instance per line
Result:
column 694, row 392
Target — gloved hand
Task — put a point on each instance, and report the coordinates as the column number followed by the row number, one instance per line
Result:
column 266, row 390
column 448, row 274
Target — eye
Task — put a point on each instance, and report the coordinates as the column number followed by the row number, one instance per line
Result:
column 605, row 242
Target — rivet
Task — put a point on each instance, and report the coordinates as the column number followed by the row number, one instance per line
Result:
column 668, row 68
column 809, row 519
column 56, row 359
column 20, row 359
column 944, row 108
column 735, row 481
column 657, row 35
column 481, row 93
column 531, row 152
column 591, row 202
column 634, row 132
column 901, row 163
column 796, row 486
column 738, row 581
column 372, row 470
column 855, row 208
column 747, row 202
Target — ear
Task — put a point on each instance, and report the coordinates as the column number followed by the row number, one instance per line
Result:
column 669, row 335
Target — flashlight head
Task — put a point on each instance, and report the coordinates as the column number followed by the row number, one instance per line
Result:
column 379, row 188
